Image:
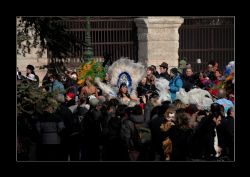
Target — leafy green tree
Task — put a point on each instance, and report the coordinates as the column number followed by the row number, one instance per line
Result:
column 45, row 33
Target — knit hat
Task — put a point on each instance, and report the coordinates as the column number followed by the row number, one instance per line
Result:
column 71, row 95
column 31, row 67
column 182, row 64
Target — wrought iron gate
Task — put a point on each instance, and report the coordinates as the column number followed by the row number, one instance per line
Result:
column 114, row 35
column 207, row 38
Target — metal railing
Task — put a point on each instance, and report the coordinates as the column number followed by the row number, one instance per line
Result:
column 114, row 35
column 207, row 38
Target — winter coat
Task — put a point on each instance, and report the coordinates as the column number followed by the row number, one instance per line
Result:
column 66, row 115
column 91, row 126
column 165, row 75
column 203, row 139
column 175, row 84
column 128, row 128
column 157, row 136
column 188, row 82
column 142, row 89
column 50, row 127
column 56, row 86
column 181, row 139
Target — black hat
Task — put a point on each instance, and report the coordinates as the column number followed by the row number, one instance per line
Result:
column 31, row 67
column 174, row 71
column 215, row 107
column 164, row 65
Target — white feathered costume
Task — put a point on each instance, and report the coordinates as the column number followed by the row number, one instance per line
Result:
column 123, row 71
column 163, row 88
column 201, row 98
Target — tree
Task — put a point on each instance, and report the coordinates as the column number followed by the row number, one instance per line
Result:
column 45, row 33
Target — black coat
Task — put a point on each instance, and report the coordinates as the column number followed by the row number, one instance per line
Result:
column 113, row 147
column 91, row 127
column 165, row 75
column 226, row 129
column 188, row 82
column 66, row 115
column 157, row 136
column 181, row 139
column 203, row 139
column 142, row 89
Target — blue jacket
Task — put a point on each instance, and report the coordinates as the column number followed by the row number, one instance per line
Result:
column 175, row 84
column 57, row 86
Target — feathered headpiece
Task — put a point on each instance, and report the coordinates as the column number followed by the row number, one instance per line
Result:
column 126, row 71
column 123, row 71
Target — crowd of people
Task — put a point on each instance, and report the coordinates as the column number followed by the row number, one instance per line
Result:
column 89, row 126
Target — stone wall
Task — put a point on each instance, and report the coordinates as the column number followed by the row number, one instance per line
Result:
column 32, row 59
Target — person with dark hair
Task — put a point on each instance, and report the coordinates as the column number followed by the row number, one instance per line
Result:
column 114, row 148
column 210, row 70
column 124, row 97
column 107, row 60
column 157, row 136
column 216, row 83
column 155, row 72
column 150, row 76
column 70, row 138
column 31, row 76
column 208, row 141
column 131, row 131
column 142, row 88
column 150, row 82
column 175, row 83
column 56, row 86
column 178, row 134
column 164, row 71
column 188, row 80
column 91, row 132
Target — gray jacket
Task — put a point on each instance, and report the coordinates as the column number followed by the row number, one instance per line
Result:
column 49, row 128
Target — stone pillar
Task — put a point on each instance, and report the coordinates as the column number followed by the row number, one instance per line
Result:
column 158, row 39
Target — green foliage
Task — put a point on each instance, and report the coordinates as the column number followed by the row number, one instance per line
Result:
column 47, row 33
column 31, row 99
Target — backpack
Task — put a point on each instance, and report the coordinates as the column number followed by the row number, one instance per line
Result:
column 142, row 136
